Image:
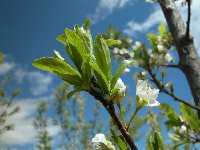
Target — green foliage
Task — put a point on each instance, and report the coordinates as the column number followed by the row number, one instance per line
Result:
column 155, row 141
column 1, row 57
column 102, row 55
column 91, row 59
column 90, row 70
column 190, row 117
column 40, row 123
column 119, row 141
column 8, row 107
column 76, row 129
column 173, row 118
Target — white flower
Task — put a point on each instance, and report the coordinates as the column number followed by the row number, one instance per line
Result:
column 183, row 129
column 144, row 73
column 161, row 48
column 126, row 70
column 99, row 138
column 168, row 57
column 121, row 87
column 115, row 50
column 100, row 143
column 138, row 44
column 145, row 92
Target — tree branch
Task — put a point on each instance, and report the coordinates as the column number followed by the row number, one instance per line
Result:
column 188, row 56
column 109, row 106
column 164, row 90
column 170, row 65
column 188, row 20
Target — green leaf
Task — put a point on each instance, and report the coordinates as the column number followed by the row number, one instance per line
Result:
column 162, row 28
column 112, row 42
column 101, row 78
column 79, row 45
column 86, row 37
column 173, row 118
column 51, row 64
column 153, row 40
column 75, row 56
column 190, row 116
column 58, row 67
column 155, row 141
column 74, row 39
column 102, row 54
column 58, row 55
column 119, row 72
column 87, row 24
column 119, row 141
column 86, row 71
column 61, row 38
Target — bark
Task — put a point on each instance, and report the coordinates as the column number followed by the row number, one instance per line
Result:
column 189, row 59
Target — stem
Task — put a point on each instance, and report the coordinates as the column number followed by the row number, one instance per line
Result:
column 188, row 20
column 161, row 88
column 132, row 117
column 120, row 126
column 111, row 110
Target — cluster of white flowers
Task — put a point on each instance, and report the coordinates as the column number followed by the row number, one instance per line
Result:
column 163, row 47
column 146, row 93
column 99, row 142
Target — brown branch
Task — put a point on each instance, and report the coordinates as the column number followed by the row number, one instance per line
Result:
column 170, row 65
column 164, row 90
column 188, row 19
column 188, row 56
column 109, row 106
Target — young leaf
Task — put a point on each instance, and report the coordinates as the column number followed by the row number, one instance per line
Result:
column 155, row 141
column 58, row 55
column 153, row 40
column 101, row 78
column 74, row 39
column 173, row 118
column 112, row 42
column 190, row 116
column 51, row 64
column 58, row 67
column 102, row 54
column 162, row 28
column 61, row 38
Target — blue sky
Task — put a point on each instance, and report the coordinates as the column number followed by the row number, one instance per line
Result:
column 28, row 29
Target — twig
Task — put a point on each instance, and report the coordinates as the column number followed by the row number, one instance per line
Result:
column 170, row 65
column 188, row 19
column 132, row 117
column 109, row 106
column 164, row 90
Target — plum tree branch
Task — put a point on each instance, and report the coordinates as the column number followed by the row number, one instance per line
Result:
column 161, row 87
column 188, row 19
column 189, row 59
column 109, row 106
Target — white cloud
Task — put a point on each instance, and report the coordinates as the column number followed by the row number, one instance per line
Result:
column 106, row 7
column 156, row 17
column 39, row 82
column 24, row 131
column 134, row 27
column 20, row 74
column 6, row 67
